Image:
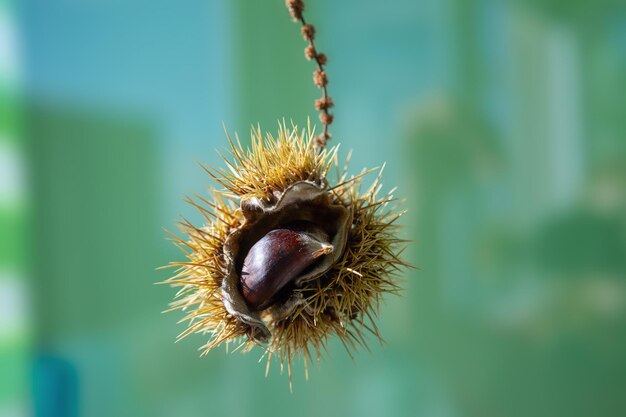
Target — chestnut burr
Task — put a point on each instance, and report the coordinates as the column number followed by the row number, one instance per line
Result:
column 275, row 260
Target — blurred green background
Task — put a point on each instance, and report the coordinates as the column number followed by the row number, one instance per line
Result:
column 503, row 123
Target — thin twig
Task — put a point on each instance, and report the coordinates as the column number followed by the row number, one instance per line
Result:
column 296, row 9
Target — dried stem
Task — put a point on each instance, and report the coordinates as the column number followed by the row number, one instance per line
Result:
column 296, row 9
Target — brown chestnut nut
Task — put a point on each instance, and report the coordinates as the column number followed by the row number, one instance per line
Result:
column 276, row 259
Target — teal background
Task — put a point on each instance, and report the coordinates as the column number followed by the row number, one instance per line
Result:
column 503, row 124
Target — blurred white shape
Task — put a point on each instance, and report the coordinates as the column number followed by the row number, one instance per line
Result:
column 9, row 59
column 606, row 297
column 520, row 307
column 11, row 174
column 13, row 309
column 13, row 410
column 564, row 121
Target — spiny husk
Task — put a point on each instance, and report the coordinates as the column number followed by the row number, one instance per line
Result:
column 273, row 164
column 200, row 278
column 343, row 302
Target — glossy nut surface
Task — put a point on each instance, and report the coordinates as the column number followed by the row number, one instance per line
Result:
column 275, row 260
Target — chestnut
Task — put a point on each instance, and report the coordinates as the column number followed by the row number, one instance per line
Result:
column 278, row 258
column 285, row 260
column 283, row 242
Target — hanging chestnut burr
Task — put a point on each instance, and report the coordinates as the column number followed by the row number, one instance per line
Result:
column 287, row 257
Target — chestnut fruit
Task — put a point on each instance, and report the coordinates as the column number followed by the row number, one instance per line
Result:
column 284, row 259
column 276, row 259
column 284, row 242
